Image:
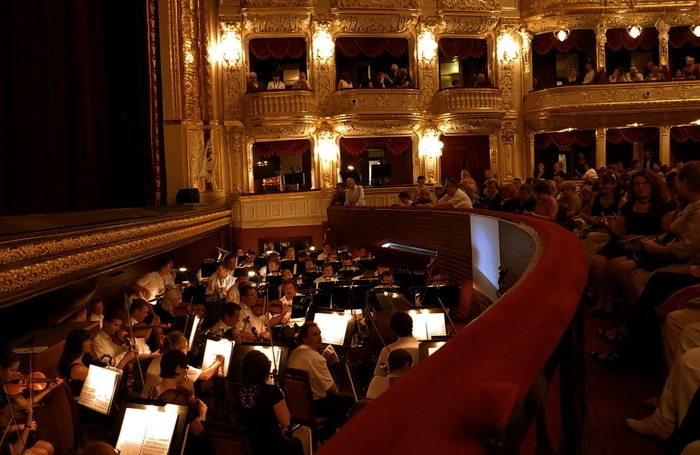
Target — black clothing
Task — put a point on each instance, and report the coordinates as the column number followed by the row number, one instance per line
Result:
column 251, row 88
column 515, row 204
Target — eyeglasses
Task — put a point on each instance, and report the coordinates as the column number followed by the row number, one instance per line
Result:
column 642, row 184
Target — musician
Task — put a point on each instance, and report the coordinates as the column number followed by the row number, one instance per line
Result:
column 169, row 278
column 289, row 253
column 250, row 320
column 347, row 264
column 250, row 260
column 364, row 254
column 138, row 311
column 400, row 363
column 152, row 284
column 272, row 267
column 71, row 366
column 240, row 256
column 107, row 351
column 310, row 265
column 438, row 279
column 333, row 257
column 177, row 341
column 386, row 280
column 241, row 276
column 328, row 400
column 327, row 276
column 326, row 251
column 270, row 248
column 97, row 308
column 402, row 325
column 9, row 371
column 226, row 326
column 165, row 309
column 219, row 282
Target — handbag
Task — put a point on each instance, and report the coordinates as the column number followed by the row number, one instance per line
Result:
column 652, row 262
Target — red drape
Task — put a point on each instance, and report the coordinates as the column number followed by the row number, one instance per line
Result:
column 372, row 47
column 683, row 133
column 618, row 37
column 264, row 48
column 281, row 148
column 470, row 151
column 632, row 135
column 582, row 138
column 355, row 146
column 678, row 36
column 580, row 39
column 462, row 47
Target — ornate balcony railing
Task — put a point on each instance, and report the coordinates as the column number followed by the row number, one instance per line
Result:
column 376, row 101
column 281, row 103
column 469, row 100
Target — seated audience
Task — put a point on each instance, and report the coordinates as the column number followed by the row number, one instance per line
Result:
column 492, row 198
column 262, row 409
column 678, row 76
column 275, row 83
column 454, row 197
column 364, row 81
column 615, row 77
column 559, row 171
column 423, row 198
column 345, row 81
column 417, row 189
column 482, row 81
column 546, row 207
column 402, row 325
column 573, row 76
column 339, row 195
column 508, row 193
column 404, row 199
column 579, row 165
column 302, row 83
column 540, row 173
column 402, row 79
column 589, row 78
column 655, row 75
column 590, row 173
column 525, row 202
column 381, row 80
column 400, row 363
column 691, row 69
column 253, row 84
column 569, row 200
column 634, row 75
column 456, row 83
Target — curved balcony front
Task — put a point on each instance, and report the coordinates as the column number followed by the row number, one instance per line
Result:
column 279, row 114
column 475, row 101
column 359, row 112
column 612, row 105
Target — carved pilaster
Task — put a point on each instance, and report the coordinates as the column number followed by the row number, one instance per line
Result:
column 600, row 40
column 236, row 140
column 235, row 76
column 600, row 145
column 527, row 56
column 493, row 152
column 663, row 29
column 508, row 133
column 428, row 60
column 194, row 55
column 665, row 145
column 324, row 70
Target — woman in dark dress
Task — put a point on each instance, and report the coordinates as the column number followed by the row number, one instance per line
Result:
column 71, row 365
column 262, row 409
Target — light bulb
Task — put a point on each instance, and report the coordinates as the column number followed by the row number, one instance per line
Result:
column 635, row 31
column 562, row 35
column 696, row 30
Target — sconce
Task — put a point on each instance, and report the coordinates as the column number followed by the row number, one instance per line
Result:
column 696, row 30
column 562, row 33
column 430, row 143
column 230, row 48
column 326, row 147
column 508, row 45
column 634, row 30
column 323, row 44
column 427, row 45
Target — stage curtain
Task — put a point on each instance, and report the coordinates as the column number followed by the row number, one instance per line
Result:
column 683, row 133
column 353, row 145
column 618, row 37
column 470, row 151
column 281, row 148
column 462, row 47
column 582, row 138
column 678, row 36
column 264, row 48
column 632, row 135
column 372, row 47
column 396, row 145
column 580, row 39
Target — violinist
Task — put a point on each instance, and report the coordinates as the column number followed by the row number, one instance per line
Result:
column 327, row 274
column 253, row 315
column 152, row 284
column 71, row 365
column 226, row 327
column 9, row 366
column 272, row 267
column 104, row 349
column 165, row 309
column 139, row 310
column 176, row 340
column 219, row 282
column 241, row 276
column 402, row 325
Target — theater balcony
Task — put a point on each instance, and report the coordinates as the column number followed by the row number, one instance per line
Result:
column 349, row 106
column 473, row 101
column 272, row 106
column 612, row 105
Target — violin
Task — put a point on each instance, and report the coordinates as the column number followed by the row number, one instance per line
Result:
column 274, row 307
column 10, row 413
column 37, row 381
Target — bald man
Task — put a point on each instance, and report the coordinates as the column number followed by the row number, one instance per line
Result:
column 355, row 194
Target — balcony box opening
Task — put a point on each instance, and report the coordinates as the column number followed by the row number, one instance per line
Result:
column 379, row 161
column 462, row 60
column 553, row 60
column 286, row 56
column 363, row 58
column 281, row 166
column 570, row 148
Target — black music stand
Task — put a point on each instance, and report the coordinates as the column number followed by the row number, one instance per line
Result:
column 310, row 276
column 337, row 265
column 289, row 265
column 350, row 273
column 303, row 301
column 432, row 295
column 273, row 280
column 382, row 300
column 208, row 268
column 319, row 262
column 325, row 285
column 366, row 264
column 177, row 442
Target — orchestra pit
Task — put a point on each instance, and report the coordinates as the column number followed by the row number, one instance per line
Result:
column 350, row 226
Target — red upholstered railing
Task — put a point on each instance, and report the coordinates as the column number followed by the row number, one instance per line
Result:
column 473, row 384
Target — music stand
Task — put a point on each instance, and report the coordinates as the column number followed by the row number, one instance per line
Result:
column 428, row 323
column 241, row 350
column 289, row 265
column 325, row 285
column 208, row 268
column 212, row 348
column 323, row 299
column 310, row 276
column 191, row 330
column 138, row 414
column 431, row 296
column 349, row 273
column 300, row 300
column 387, row 300
column 426, row 348
column 273, row 280
column 367, row 264
column 336, row 266
column 336, row 325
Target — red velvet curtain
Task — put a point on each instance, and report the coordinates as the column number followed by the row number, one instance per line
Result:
column 264, row 48
column 470, row 151
column 582, row 138
column 355, row 146
column 618, row 37
column 580, row 39
column 678, row 36
column 632, row 135
column 281, row 148
column 683, row 133
column 372, row 47
column 462, row 47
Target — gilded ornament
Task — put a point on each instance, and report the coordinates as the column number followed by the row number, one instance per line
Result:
column 583, row 93
column 299, row 129
column 476, row 25
column 276, row 3
column 383, row 23
column 508, row 133
column 277, row 23
column 684, row 91
column 376, row 4
column 609, row 95
column 469, row 5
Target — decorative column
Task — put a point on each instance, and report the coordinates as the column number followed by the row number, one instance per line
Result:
column 600, row 41
column 324, row 70
column 530, row 165
column 665, row 145
column 430, row 149
column 327, row 156
column 427, row 60
column 663, row 29
column 508, row 52
column 600, row 143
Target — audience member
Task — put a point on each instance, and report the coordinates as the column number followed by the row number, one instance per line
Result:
column 525, row 202
column 589, row 78
column 482, row 81
column 355, row 194
column 402, row 80
column 253, row 84
column 345, row 81
column 302, row 83
column 633, row 75
column 454, row 197
column 690, row 69
column 404, row 199
column 423, row 198
column 275, row 83
column 417, row 189
column 655, row 75
column 546, row 207
column 573, row 76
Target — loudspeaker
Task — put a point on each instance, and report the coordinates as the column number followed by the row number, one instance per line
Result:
column 187, row 196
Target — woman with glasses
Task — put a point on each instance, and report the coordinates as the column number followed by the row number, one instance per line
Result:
column 640, row 216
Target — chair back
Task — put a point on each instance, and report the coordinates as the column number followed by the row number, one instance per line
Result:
column 55, row 422
column 300, row 400
column 227, row 439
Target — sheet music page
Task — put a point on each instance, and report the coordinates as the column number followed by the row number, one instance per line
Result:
column 99, row 389
column 223, row 347
column 193, row 332
column 146, row 432
column 436, row 325
column 431, row 351
column 333, row 327
column 274, row 363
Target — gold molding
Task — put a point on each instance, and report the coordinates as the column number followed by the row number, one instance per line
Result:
column 376, row 4
column 292, row 129
column 469, row 5
column 276, row 23
column 374, row 23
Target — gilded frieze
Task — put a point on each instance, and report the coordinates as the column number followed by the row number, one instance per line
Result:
column 376, row 4
column 298, row 129
column 29, row 275
column 276, row 3
column 378, row 23
column 279, row 102
column 372, row 101
column 361, row 126
column 472, row 25
column 277, row 23
column 466, row 124
column 469, row 5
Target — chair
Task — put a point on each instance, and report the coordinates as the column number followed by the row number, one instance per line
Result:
column 227, row 439
column 56, row 421
column 300, row 402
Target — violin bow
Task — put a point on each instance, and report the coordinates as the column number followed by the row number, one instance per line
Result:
column 133, row 338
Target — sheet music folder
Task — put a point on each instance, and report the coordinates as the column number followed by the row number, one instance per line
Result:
column 151, row 427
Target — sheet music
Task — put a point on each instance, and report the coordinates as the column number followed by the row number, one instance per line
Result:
column 146, row 432
column 99, row 389
column 428, row 325
column 195, row 324
column 431, row 351
column 333, row 327
column 274, row 363
column 223, row 347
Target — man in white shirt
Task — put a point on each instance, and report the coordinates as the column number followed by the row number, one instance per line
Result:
column 105, row 350
column 355, row 194
column 241, row 276
column 249, row 320
column 590, row 174
column 219, row 282
column 454, row 197
column 275, row 83
column 400, row 363
column 327, row 274
column 402, row 325
column 230, row 318
column 138, row 311
column 326, row 251
column 152, row 284
column 97, row 308
column 589, row 78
